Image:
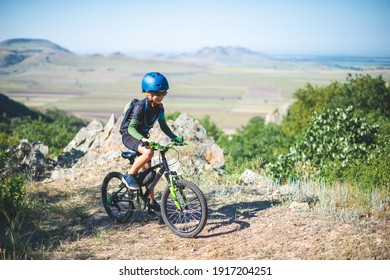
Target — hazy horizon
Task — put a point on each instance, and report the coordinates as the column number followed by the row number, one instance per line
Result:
column 280, row 27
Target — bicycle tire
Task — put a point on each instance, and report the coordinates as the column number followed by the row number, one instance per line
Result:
column 188, row 222
column 116, row 201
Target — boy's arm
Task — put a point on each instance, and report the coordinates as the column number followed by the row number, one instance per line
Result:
column 133, row 130
column 164, row 127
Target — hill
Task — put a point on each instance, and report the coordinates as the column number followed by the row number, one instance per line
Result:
column 14, row 51
column 11, row 109
column 31, row 45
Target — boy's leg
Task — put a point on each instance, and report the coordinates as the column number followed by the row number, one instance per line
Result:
column 142, row 160
column 146, row 166
column 146, row 155
column 153, row 207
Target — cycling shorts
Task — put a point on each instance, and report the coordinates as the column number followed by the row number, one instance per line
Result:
column 130, row 142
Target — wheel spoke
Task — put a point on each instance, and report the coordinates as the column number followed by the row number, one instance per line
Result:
column 116, row 199
column 189, row 217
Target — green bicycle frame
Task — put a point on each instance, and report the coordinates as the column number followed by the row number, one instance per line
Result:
column 170, row 177
column 173, row 190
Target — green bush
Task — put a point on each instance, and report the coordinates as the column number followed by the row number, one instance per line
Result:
column 56, row 134
column 334, row 141
column 308, row 100
column 172, row 116
column 256, row 141
column 376, row 172
column 211, row 128
column 12, row 186
column 368, row 96
column 12, row 193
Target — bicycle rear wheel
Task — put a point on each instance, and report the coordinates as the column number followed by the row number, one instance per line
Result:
column 190, row 220
column 116, row 200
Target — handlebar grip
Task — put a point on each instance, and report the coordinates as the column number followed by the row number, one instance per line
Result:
column 144, row 144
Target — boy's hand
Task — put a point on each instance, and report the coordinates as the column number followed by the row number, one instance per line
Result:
column 145, row 144
column 178, row 140
column 148, row 144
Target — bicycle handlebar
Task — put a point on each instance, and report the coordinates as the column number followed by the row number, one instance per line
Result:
column 157, row 146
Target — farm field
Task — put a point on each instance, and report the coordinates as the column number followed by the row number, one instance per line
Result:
column 96, row 86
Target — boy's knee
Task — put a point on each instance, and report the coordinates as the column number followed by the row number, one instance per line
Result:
column 147, row 152
column 150, row 153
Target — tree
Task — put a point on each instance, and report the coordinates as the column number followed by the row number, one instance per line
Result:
column 309, row 100
column 256, row 140
column 368, row 96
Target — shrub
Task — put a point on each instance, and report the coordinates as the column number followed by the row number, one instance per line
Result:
column 255, row 141
column 368, row 96
column 56, row 134
column 12, row 186
column 334, row 141
column 211, row 128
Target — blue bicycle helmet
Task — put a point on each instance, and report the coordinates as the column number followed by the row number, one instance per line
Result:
column 154, row 81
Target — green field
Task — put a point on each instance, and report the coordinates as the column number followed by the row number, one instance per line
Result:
column 98, row 86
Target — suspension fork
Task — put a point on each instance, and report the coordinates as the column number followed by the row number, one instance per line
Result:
column 173, row 189
column 171, row 177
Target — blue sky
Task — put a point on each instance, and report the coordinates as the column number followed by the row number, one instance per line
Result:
column 353, row 27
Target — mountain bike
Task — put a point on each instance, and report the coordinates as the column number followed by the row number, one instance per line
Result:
column 183, row 204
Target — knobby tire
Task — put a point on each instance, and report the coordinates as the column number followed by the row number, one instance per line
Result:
column 188, row 222
column 116, row 202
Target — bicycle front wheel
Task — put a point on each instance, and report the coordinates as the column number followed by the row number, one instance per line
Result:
column 189, row 219
column 116, row 200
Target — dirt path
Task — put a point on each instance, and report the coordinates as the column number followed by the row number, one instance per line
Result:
column 244, row 226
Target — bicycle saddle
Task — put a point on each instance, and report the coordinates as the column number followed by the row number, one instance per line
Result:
column 130, row 154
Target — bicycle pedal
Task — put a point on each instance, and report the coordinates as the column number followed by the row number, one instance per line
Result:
column 154, row 213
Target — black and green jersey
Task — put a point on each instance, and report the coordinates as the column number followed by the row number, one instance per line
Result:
column 141, row 117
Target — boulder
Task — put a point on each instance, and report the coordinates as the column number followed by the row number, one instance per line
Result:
column 85, row 137
column 250, row 177
column 263, row 184
column 32, row 157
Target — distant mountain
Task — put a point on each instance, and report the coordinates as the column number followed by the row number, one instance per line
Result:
column 227, row 52
column 15, row 51
column 228, row 55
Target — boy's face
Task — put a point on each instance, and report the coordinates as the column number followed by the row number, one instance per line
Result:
column 157, row 96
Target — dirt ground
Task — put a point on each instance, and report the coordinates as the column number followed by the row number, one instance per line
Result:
column 240, row 226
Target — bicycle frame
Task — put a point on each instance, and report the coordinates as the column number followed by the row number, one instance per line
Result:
column 164, row 170
column 183, row 204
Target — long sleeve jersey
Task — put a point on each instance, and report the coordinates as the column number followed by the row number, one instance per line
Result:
column 143, row 117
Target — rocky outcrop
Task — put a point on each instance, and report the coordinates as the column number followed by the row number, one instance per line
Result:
column 201, row 154
column 97, row 149
column 29, row 158
column 277, row 115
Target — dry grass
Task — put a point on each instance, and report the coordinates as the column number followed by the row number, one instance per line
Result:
column 67, row 221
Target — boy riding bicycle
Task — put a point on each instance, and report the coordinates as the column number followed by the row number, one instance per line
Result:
column 137, row 122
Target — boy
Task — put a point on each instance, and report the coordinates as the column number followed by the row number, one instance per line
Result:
column 136, row 126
